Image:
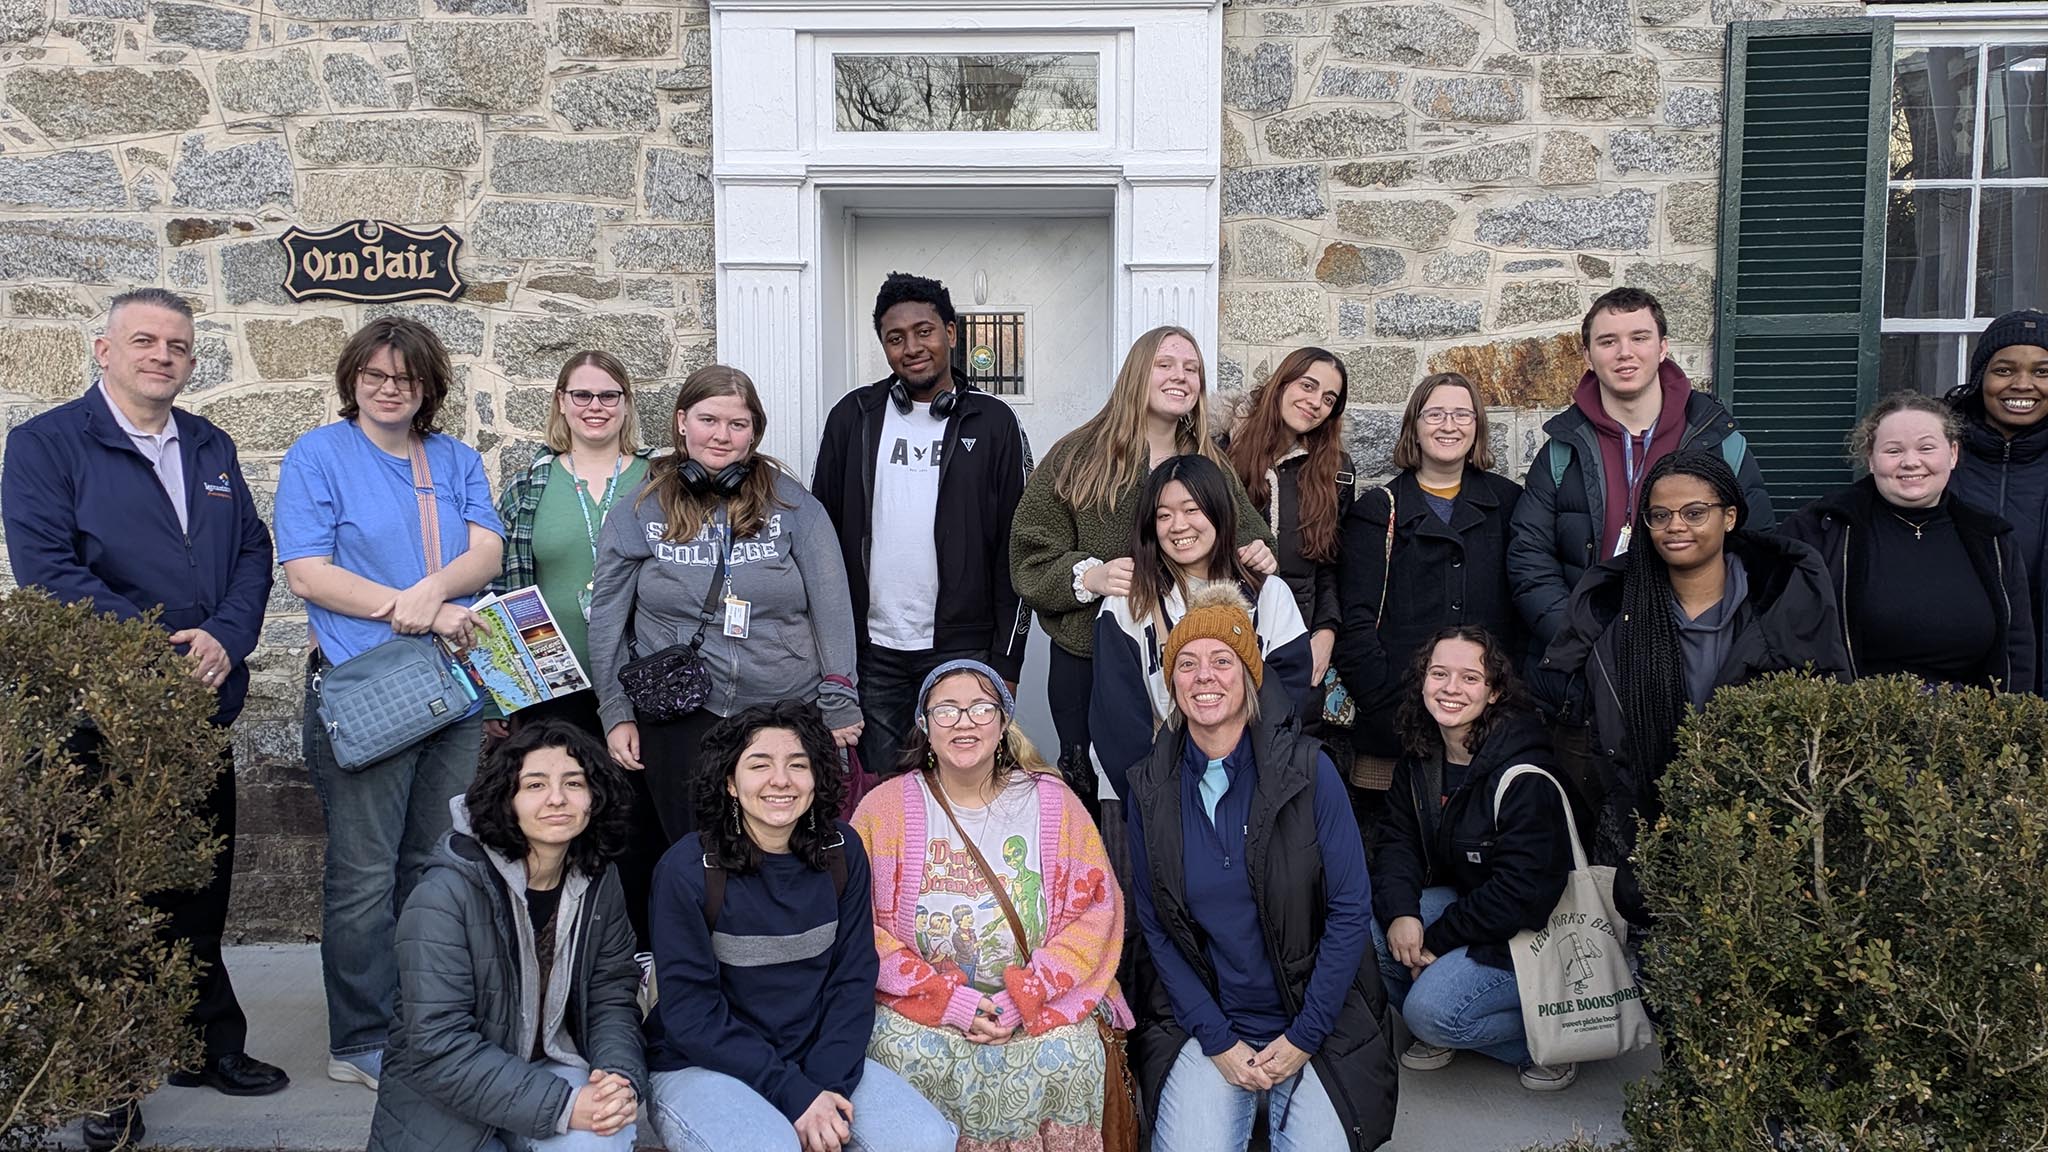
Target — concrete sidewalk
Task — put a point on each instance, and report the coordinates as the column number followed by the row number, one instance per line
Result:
column 1474, row 1105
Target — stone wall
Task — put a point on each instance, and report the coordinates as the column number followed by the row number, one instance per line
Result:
column 167, row 143
column 1437, row 186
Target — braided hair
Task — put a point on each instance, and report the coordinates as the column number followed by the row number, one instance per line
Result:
column 1646, row 634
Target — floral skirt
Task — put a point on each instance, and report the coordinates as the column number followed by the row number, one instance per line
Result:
column 1032, row 1094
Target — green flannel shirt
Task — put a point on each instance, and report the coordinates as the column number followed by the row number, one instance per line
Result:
column 517, row 509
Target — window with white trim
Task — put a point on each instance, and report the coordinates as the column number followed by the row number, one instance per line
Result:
column 1966, row 228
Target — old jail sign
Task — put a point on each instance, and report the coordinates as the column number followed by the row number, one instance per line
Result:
column 371, row 260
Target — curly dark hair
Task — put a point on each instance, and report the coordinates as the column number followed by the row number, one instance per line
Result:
column 725, row 839
column 904, row 288
column 495, row 823
column 1419, row 733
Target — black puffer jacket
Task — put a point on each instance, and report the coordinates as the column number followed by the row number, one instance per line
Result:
column 1441, row 575
column 1508, row 868
column 1786, row 622
column 1284, row 863
column 1834, row 524
column 454, row 1070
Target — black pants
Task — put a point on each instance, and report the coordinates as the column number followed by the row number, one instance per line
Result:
column 673, row 756
column 1069, row 679
column 199, row 917
column 644, row 840
column 889, row 681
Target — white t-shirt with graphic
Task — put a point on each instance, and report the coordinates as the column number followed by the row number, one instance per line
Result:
column 903, row 566
column 958, row 918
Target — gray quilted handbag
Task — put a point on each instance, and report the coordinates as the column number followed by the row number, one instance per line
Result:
column 392, row 696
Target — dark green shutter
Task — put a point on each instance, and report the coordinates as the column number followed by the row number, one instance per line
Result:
column 1802, row 241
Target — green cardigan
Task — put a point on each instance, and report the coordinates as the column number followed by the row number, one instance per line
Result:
column 1048, row 537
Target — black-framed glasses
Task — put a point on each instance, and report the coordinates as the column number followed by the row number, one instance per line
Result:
column 583, row 398
column 1434, row 417
column 1694, row 514
column 377, row 381
column 948, row 715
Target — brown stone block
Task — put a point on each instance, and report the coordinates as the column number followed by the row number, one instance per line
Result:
column 1537, row 372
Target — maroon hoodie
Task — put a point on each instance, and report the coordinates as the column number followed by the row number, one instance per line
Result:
column 1619, row 502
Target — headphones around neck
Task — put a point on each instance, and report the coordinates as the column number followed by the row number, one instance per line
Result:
column 724, row 482
column 944, row 404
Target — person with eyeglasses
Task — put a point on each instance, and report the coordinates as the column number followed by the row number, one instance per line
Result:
column 979, row 828
column 1697, row 602
column 1445, row 566
column 350, row 539
column 552, row 514
column 1926, row 584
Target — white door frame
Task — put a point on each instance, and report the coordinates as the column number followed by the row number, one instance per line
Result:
column 778, row 163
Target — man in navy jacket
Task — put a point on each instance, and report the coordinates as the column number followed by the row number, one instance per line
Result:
column 122, row 500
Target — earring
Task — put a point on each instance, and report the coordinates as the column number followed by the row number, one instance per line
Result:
column 931, row 760
column 733, row 803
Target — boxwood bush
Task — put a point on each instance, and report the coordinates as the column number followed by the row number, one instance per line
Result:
column 92, row 1007
column 1851, row 952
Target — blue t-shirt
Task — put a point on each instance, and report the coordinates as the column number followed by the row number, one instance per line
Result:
column 340, row 496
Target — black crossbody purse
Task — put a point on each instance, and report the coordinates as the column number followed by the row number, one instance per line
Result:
column 672, row 683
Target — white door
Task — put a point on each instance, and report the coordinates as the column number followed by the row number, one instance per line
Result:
column 1034, row 297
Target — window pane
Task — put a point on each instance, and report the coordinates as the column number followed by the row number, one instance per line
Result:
column 991, row 351
column 2016, row 112
column 2012, row 250
column 1924, row 362
column 1014, row 92
column 1926, row 253
column 1934, row 113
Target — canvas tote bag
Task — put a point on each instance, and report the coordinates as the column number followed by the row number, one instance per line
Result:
column 1579, row 1000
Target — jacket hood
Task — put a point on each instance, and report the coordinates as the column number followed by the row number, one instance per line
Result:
column 461, row 851
column 1861, row 501
column 1986, row 443
column 1671, row 380
column 1520, row 738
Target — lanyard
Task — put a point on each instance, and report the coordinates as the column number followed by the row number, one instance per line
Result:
column 604, row 506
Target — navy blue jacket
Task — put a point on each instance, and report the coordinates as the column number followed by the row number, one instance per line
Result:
column 87, row 520
column 2009, row 479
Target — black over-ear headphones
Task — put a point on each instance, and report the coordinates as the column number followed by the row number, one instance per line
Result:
column 724, row 482
column 943, row 404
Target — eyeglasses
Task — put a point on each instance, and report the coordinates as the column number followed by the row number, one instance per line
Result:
column 1434, row 417
column 377, row 381
column 948, row 715
column 582, row 398
column 1694, row 514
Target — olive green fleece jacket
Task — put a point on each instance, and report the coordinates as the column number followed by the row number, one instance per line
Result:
column 1048, row 537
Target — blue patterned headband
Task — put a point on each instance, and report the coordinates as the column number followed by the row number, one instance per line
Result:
column 984, row 671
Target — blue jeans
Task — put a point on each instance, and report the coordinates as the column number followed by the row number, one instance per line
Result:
column 1200, row 1111
column 382, row 824
column 572, row 1141
column 698, row 1110
column 1457, row 1002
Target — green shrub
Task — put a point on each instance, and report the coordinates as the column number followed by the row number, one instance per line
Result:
column 1851, row 891
column 92, row 1007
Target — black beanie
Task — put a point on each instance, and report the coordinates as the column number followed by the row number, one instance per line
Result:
column 2023, row 327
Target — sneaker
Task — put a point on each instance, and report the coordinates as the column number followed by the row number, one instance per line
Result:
column 1549, row 1077
column 646, row 996
column 1427, row 1057
column 362, row 1068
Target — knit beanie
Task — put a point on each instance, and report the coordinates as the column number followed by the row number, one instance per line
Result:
column 2023, row 327
column 1218, row 611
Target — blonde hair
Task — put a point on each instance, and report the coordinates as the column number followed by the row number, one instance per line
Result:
column 687, row 511
column 557, row 434
column 1109, row 454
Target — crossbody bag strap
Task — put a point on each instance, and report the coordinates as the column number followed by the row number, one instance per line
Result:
column 1571, row 824
column 711, row 594
column 430, row 512
column 981, row 862
column 1388, row 578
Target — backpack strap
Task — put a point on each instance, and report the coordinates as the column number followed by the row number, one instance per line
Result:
column 1571, row 824
column 1560, row 454
column 1733, row 448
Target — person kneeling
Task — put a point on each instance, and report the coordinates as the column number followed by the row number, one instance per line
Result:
column 517, row 1026
column 1454, row 880
column 999, row 926
column 1250, row 884
column 765, row 963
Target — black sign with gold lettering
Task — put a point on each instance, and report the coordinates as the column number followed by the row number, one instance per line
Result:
column 371, row 260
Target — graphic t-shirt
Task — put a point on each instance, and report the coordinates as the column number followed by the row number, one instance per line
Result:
column 958, row 918
column 904, row 558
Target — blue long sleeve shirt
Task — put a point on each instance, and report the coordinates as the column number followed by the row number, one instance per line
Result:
column 1246, row 1002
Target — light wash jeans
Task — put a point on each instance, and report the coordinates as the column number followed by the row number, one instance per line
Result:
column 382, row 824
column 698, row 1110
column 1457, row 1002
column 572, row 1141
column 1200, row 1111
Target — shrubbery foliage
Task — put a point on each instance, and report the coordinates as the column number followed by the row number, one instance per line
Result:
column 92, row 1007
column 1851, row 886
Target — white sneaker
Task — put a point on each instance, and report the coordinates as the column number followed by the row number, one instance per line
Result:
column 1427, row 1057
column 1549, row 1077
column 363, row 1068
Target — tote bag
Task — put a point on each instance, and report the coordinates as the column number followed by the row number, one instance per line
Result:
column 1579, row 1000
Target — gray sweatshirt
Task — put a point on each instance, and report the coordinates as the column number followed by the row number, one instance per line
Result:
column 800, row 626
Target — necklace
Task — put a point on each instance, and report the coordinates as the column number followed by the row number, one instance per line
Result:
column 1917, row 527
column 589, row 527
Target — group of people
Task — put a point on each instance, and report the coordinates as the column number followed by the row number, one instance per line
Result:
column 840, row 900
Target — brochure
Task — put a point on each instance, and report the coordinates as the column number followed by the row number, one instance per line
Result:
column 520, row 656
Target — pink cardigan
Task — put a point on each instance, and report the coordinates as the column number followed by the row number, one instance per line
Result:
column 1074, row 967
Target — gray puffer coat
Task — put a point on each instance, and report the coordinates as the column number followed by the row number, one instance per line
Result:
column 457, row 1067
